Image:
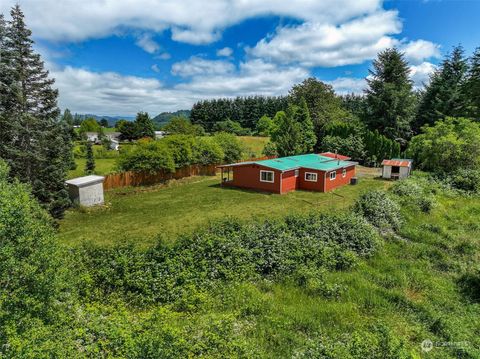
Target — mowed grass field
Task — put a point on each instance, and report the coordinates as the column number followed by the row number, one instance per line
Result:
column 141, row 214
column 254, row 144
column 103, row 166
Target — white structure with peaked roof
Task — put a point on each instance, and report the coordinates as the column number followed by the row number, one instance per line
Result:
column 86, row 191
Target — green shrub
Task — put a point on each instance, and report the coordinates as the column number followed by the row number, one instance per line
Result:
column 270, row 150
column 378, row 209
column 467, row 180
column 231, row 146
column 147, row 156
column 30, row 263
column 206, row 151
column 227, row 251
column 375, row 342
column 407, row 188
column 181, row 147
column 416, row 191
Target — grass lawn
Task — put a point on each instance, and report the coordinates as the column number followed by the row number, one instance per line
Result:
column 254, row 143
column 142, row 213
column 103, row 166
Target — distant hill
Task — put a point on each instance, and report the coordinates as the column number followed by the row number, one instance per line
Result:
column 165, row 117
column 111, row 119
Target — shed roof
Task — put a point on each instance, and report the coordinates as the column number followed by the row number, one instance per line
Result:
column 399, row 162
column 310, row 161
column 85, row 181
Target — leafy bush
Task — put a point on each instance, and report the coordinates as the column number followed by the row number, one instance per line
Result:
column 228, row 251
column 378, row 209
column 181, row 147
column 30, row 261
column 206, row 151
column 148, row 156
column 230, row 126
column 230, row 145
column 467, row 180
column 270, row 149
column 375, row 342
column 449, row 145
column 415, row 191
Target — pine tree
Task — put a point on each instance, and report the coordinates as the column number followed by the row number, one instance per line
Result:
column 444, row 96
column 286, row 135
column 472, row 86
column 33, row 141
column 301, row 115
column 390, row 101
column 90, row 163
column 145, row 126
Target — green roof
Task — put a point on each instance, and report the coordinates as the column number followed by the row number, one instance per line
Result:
column 310, row 161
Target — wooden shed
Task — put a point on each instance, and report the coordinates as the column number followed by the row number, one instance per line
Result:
column 281, row 175
column 396, row 168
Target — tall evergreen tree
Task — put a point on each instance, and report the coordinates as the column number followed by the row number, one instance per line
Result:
column 444, row 96
column 323, row 104
column 472, row 86
column 301, row 115
column 145, row 126
column 90, row 162
column 286, row 135
column 33, row 142
column 390, row 101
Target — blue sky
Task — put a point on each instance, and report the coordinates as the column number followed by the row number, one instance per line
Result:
column 120, row 57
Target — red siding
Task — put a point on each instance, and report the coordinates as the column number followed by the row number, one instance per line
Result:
column 289, row 181
column 308, row 185
column 339, row 180
column 248, row 176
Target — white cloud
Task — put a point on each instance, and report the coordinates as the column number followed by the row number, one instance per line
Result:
column 226, row 51
column 164, row 56
column 155, row 68
column 147, row 43
column 319, row 44
column 191, row 21
column 347, row 85
column 420, row 50
column 253, row 78
column 420, row 74
column 198, row 66
column 109, row 93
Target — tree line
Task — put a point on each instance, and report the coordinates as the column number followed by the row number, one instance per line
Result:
column 244, row 110
column 35, row 143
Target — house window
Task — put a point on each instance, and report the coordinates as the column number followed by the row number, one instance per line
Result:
column 297, row 172
column 310, row 177
column 344, row 172
column 333, row 175
column 266, row 176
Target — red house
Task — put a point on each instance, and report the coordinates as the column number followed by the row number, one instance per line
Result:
column 281, row 175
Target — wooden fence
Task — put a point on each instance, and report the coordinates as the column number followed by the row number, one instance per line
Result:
column 125, row 179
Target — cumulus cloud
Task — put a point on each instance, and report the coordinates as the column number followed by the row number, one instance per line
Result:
column 109, row 93
column 420, row 50
column 420, row 74
column 191, row 21
column 198, row 66
column 347, row 85
column 319, row 44
column 226, row 51
column 147, row 43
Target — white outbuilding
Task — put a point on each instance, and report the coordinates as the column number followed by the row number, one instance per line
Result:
column 86, row 191
column 396, row 168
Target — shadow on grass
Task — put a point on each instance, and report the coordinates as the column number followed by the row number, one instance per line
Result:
column 241, row 189
column 469, row 285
